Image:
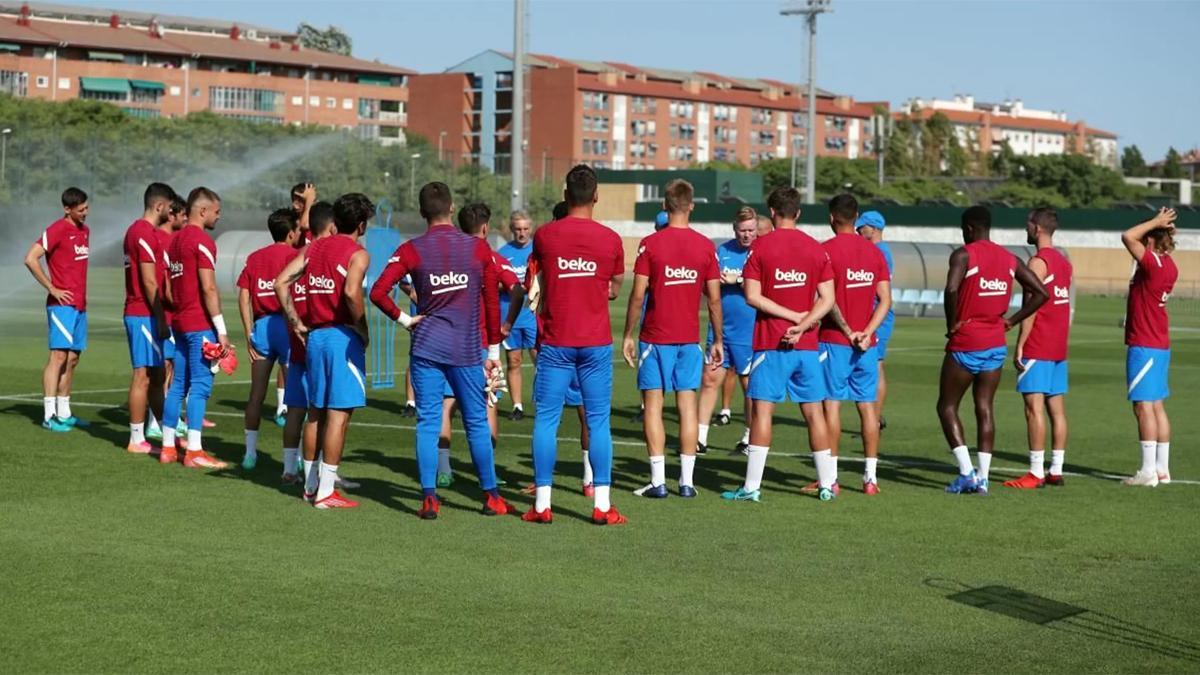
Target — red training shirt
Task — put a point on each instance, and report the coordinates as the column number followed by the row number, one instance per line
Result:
column 790, row 265
column 983, row 298
column 1146, row 322
column 678, row 262
column 258, row 276
column 1052, row 322
column 577, row 258
column 164, row 270
column 67, row 247
column 327, row 262
column 191, row 250
column 141, row 246
column 858, row 268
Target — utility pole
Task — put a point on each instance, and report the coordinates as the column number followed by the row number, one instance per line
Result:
column 518, row 107
column 4, row 153
column 810, row 11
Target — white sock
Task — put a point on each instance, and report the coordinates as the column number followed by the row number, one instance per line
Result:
column 48, row 408
column 151, row 420
column 64, row 406
column 687, row 467
column 964, row 459
column 410, row 403
column 703, row 434
column 826, row 469
column 869, row 471
column 251, row 442
column 601, row 498
column 1037, row 463
column 326, row 483
column 756, row 462
column 542, row 498
column 194, row 440
column 746, row 436
column 1149, row 455
column 290, row 455
column 587, row 469
column 833, row 462
column 137, row 433
column 1056, row 462
column 1163, row 457
column 169, row 437
column 280, row 408
column 310, row 476
column 726, row 411
column 658, row 470
column 443, row 460
column 518, row 406
column 985, row 464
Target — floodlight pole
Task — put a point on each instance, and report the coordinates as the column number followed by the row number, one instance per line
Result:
column 518, row 107
column 810, row 11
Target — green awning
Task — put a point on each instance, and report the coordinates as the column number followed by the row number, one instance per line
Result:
column 376, row 81
column 148, row 85
column 109, row 85
column 105, row 56
column 9, row 47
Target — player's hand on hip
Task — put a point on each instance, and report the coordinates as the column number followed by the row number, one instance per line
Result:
column 64, row 297
column 1019, row 360
column 301, row 332
column 629, row 351
column 416, row 319
column 254, row 355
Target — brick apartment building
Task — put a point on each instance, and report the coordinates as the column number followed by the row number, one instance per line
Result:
column 614, row 115
column 158, row 65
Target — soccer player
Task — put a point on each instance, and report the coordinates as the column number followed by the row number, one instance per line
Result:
column 870, row 225
column 304, row 195
column 580, row 266
column 1147, row 335
column 263, row 320
column 65, row 245
column 175, row 220
column 678, row 265
column 524, row 330
column 197, row 321
column 145, row 325
column 862, row 298
column 335, row 337
column 1041, row 355
column 789, row 281
column 452, row 273
column 978, row 287
column 737, row 328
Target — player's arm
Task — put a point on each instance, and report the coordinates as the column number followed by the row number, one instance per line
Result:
column 760, row 302
column 835, row 315
column 883, row 300
column 1132, row 238
column 716, row 353
column 283, row 290
column 33, row 261
column 954, row 278
column 1038, row 267
column 381, row 291
column 245, row 310
column 1034, row 295
column 148, row 278
column 618, row 264
column 352, row 293
column 632, row 313
column 491, row 300
column 212, row 304
column 516, row 300
column 310, row 198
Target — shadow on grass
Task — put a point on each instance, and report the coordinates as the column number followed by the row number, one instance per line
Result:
column 111, row 427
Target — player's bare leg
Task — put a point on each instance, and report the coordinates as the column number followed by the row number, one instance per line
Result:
column 747, row 412
column 727, row 384
column 656, row 441
column 953, row 384
column 514, row 380
column 984, row 394
column 819, row 444
column 710, row 384
column 280, row 388
column 314, row 430
column 833, row 422
column 882, row 393
column 687, row 402
column 293, row 433
column 139, row 392
column 868, row 413
column 333, row 440
column 260, row 377
column 756, row 453
column 445, row 475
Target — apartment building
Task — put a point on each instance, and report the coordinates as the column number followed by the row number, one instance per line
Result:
column 166, row 66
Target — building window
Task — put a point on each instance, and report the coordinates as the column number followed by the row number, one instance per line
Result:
column 42, row 82
column 255, row 119
column 244, row 98
column 643, row 104
column 368, row 108
column 330, row 102
column 760, row 116
column 14, row 83
column 652, row 150
column 725, row 134
column 143, row 113
column 595, row 101
column 504, row 80
column 837, row 123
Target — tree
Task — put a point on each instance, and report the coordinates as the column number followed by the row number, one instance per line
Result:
column 1132, row 162
column 1171, row 167
column 1004, row 162
column 900, row 158
column 332, row 39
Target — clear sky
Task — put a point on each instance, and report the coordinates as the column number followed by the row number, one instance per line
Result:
column 1127, row 67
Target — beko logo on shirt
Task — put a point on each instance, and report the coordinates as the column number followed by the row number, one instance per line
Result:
column 790, row 278
column 176, row 269
column 576, row 267
column 988, row 287
column 1062, row 292
column 266, row 284
column 680, row 275
column 318, row 284
column 520, row 271
column 859, row 278
column 81, row 252
column 731, row 270
column 450, row 281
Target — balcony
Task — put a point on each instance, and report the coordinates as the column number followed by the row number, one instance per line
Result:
column 393, row 117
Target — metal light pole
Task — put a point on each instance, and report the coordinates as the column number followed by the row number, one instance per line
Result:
column 810, row 11
column 4, row 134
column 412, row 177
column 441, row 136
column 795, row 152
column 518, row 107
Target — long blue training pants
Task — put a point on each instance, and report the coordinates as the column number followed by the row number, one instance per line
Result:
column 429, row 379
column 193, row 380
column 555, row 368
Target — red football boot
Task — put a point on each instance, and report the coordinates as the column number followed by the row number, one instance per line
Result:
column 199, row 459
column 871, row 488
column 1026, row 482
column 168, row 456
column 335, row 501
column 429, row 508
column 496, row 506
column 1056, row 480
column 589, row 490
column 535, row 516
column 609, row 517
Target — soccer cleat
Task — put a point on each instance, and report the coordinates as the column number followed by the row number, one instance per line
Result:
column 74, row 421
column 281, row 421
column 56, row 425
column 1164, row 478
column 142, row 448
column 340, row 483
column 444, row 479
column 882, row 422
column 687, row 491
column 701, row 449
column 181, row 442
column 154, row 434
column 981, row 486
column 609, row 517
column 207, row 423
column 249, row 461
column 964, row 484
column 409, row 410
column 741, row 447
column 589, row 490
column 742, row 495
column 722, row 420
column 826, row 494
column 429, row 508
column 1026, row 482
column 307, row 497
column 289, row 479
column 1143, row 479
column 517, row 414
column 496, row 506
column 531, row 489
column 653, row 491
column 168, row 456
column 541, row 517
column 815, row 488
column 199, row 459
column 870, row 488
column 640, row 415
column 1055, row 479
column 335, row 501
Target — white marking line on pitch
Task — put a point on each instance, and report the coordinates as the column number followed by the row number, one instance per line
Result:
column 568, row 439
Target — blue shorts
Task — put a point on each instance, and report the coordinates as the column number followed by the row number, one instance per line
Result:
column 780, row 375
column 145, row 350
column 1043, row 377
column 168, row 346
column 1146, row 373
column 574, row 397
column 737, row 357
column 883, row 336
column 850, row 374
column 336, row 363
column 295, row 387
column 521, row 337
column 981, row 361
column 270, row 338
column 67, row 328
column 670, row 367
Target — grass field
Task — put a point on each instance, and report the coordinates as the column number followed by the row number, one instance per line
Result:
column 114, row 563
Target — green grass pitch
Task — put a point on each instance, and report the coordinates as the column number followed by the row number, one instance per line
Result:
column 114, row 563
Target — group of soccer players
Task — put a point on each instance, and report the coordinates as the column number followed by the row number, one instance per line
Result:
column 791, row 319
